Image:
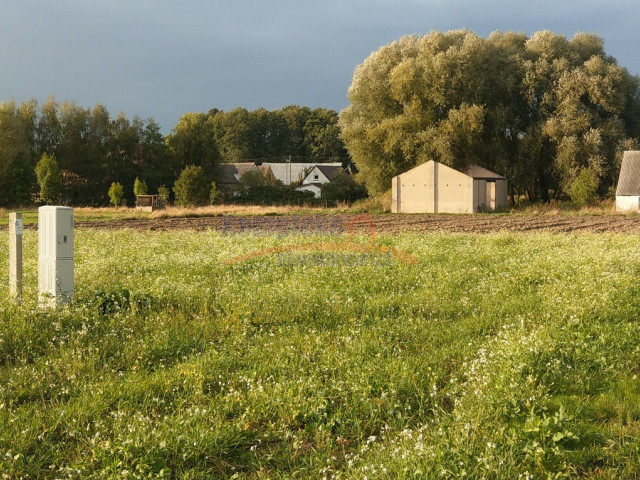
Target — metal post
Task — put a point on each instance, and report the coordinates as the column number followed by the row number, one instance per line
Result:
column 15, row 255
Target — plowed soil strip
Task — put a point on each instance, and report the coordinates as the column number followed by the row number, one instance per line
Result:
column 480, row 223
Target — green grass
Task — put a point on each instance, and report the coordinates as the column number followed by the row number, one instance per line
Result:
column 497, row 356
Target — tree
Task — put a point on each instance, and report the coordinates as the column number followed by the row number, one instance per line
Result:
column 164, row 193
column 539, row 110
column 192, row 187
column 49, row 178
column 139, row 187
column 116, row 194
column 17, row 154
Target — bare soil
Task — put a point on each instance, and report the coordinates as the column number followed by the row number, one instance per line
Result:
column 479, row 223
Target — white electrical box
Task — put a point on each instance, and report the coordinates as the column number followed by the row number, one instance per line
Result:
column 55, row 257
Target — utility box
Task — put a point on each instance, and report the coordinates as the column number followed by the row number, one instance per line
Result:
column 55, row 255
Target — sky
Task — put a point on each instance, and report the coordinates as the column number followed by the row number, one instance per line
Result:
column 163, row 58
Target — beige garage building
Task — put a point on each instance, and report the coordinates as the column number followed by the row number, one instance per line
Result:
column 436, row 188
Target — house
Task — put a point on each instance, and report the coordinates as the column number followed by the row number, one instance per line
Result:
column 628, row 191
column 318, row 176
column 436, row 188
column 292, row 173
column 230, row 174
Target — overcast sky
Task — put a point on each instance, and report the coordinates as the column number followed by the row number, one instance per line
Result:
column 162, row 58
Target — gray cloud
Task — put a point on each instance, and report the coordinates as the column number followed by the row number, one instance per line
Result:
column 160, row 58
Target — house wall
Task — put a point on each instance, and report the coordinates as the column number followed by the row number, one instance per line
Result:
column 626, row 203
column 315, row 189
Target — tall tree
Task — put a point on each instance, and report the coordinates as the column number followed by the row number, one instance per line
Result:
column 539, row 109
column 17, row 153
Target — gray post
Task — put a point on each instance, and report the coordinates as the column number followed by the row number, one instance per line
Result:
column 15, row 255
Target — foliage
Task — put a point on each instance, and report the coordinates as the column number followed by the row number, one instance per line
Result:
column 139, row 187
column 49, row 178
column 253, row 178
column 537, row 109
column 116, row 194
column 215, row 195
column 164, row 193
column 343, row 188
column 498, row 356
column 274, row 195
column 192, row 187
column 584, row 188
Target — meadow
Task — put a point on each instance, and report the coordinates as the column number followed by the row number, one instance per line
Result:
column 495, row 356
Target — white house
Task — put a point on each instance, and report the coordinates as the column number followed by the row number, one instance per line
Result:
column 628, row 191
column 318, row 176
column 289, row 173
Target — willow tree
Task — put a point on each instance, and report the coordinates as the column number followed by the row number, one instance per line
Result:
column 539, row 110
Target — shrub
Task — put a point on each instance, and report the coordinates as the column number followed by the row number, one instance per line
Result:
column 192, row 187
column 343, row 189
column 116, row 194
column 584, row 188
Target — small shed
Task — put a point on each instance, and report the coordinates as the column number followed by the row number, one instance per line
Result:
column 149, row 203
column 628, row 191
column 436, row 188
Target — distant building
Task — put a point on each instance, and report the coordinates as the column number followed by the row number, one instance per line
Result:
column 436, row 188
column 293, row 173
column 318, row 176
column 628, row 191
column 230, row 174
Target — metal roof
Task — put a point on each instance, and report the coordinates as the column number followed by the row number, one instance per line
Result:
column 629, row 180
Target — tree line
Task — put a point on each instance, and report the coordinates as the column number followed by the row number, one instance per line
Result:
column 87, row 150
column 553, row 115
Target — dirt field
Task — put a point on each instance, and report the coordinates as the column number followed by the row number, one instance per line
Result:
column 388, row 223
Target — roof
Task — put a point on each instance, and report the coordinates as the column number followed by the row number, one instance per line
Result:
column 289, row 173
column 629, row 180
column 329, row 171
column 231, row 172
column 476, row 171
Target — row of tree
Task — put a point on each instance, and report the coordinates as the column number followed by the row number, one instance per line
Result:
column 552, row 114
column 87, row 150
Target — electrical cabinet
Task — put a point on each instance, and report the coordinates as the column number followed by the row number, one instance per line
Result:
column 55, row 255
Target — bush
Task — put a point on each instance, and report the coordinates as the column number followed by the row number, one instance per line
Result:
column 584, row 188
column 192, row 187
column 116, row 194
column 343, row 189
column 274, row 195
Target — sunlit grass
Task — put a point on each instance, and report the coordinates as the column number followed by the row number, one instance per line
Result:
column 497, row 356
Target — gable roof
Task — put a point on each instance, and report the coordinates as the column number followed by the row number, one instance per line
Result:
column 481, row 173
column 629, row 180
column 289, row 173
column 231, row 172
column 329, row 171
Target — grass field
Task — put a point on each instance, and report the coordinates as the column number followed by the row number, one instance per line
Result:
column 497, row 356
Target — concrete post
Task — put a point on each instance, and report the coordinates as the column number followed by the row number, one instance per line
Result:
column 15, row 255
